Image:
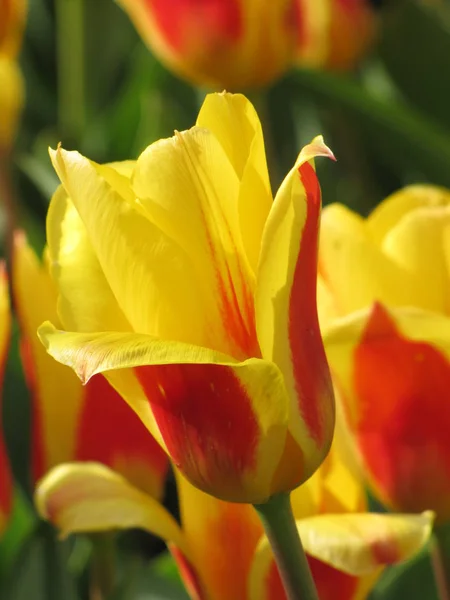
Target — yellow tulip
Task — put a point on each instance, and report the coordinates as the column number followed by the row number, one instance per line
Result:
column 220, row 548
column 194, row 292
column 6, row 486
column 69, row 421
column 384, row 300
column 223, row 43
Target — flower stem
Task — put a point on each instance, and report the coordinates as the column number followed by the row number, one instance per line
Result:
column 281, row 530
column 103, row 566
column 440, row 564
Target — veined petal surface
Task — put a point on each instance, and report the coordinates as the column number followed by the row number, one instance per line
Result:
column 223, row 423
column 234, row 122
column 193, row 166
column 286, row 310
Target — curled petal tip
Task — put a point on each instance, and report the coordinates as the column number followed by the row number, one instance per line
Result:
column 316, row 148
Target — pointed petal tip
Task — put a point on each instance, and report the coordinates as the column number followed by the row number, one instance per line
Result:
column 317, row 147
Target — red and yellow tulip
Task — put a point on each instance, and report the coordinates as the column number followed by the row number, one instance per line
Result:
column 6, row 486
column 387, row 279
column 194, row 292
column 220, row 547
column 222, row 43
column 72, row 422
column 12, row 21
column 334, row 34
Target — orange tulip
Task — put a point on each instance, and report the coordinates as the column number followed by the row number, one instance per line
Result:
column 72, row 422
column 12, row 21
column 6, row 486
column 220, row 548
column 384, row 309
column 223, row 43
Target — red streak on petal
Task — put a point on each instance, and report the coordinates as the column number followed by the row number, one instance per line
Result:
column 331, row 584
column 188, row 574
column 385, row 552
column 403, row 428
column 310, row 366
column 206, row 420
column 111, row 433
column 227, row 554
column 183, row 22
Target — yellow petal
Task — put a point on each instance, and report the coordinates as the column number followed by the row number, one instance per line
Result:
column 355, row 270
column 149, row 275
column 89, row 497
column 358, row 543
column 6, row 483
column 224, row 423
column 234, row 122
column 11, row 100
column 48, row 381
column 188, row 187
column 418, row 244
column 286, row 311
column 388, row 214
column 86, row 301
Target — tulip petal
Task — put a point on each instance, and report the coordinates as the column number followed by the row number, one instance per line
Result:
column 54, row 429
column 394, row 371
column 355, row 270
column 341, row 548
column 6, row 485
column 188, row 187
column 286, row 311
column 157, row 294
column 222, row 537
column 388, row 214
column 85, row 301
column 235, row 123
column 418, row 244
column 89, row 497
column 223, row 423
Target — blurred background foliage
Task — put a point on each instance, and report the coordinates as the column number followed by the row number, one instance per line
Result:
column 93, row 85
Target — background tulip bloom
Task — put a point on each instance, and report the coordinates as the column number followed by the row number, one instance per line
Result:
column 12, row 20
column 391, row 365
column 195, row 294
column 6, row 487
column 72, row 422
column 224, row 43
column 335, row 33
column 220, row 547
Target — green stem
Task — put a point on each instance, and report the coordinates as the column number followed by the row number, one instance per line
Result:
column 103, row 566
column 71, row 76
column 440, row 564
column 281, row 530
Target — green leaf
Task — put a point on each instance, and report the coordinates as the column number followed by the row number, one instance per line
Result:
column 415, row 48
column 413, row 580
column 21, row 524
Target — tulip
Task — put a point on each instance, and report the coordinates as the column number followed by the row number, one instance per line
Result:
column 194, row 292
column 220, row 43
column 220, row 548
column 336, row 33
column 384, row 313
column 6, row 486
column 71, row 422
column 12, row 20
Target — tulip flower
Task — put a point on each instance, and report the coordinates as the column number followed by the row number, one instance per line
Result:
column 221, row 43
column 194, row 293
column 12, row 20
column 384, row 313
column 220, row 547
column 6, row 487
column 72, row 422
column 336, row 33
